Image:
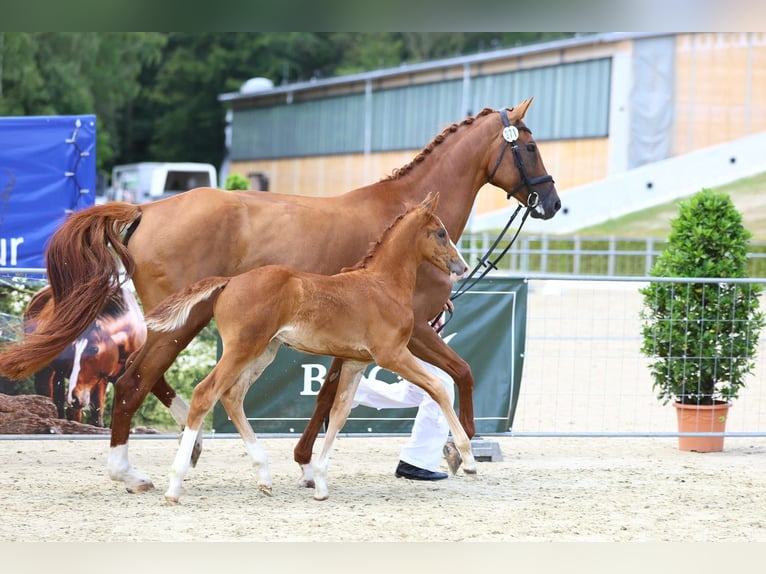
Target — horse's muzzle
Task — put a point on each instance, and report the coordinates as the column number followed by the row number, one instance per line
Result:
column 547, row 207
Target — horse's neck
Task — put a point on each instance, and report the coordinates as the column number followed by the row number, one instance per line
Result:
column 457, row 168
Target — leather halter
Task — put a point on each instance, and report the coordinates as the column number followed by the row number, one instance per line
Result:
column 510, row 135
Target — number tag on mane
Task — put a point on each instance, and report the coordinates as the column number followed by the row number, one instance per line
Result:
column 510, row 134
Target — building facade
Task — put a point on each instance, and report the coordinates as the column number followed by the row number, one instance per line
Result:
column 604, row 103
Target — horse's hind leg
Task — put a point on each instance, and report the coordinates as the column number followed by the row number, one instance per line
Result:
column 325, row 399
column 351, row 373
column 232, row 401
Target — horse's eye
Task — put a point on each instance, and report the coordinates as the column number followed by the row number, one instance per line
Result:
column 441, row 234
column 93, row 350
column 531, row 148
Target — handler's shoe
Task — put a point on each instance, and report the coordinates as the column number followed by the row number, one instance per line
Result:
column 411, row 472
column 451, row 454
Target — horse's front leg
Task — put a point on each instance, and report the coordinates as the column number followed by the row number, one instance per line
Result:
column 348, row 381
column 325, row 399
column 429, row 347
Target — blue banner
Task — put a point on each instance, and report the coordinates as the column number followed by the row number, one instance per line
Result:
column 47, row 171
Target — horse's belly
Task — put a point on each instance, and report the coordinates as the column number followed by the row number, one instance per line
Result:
column 317, row 342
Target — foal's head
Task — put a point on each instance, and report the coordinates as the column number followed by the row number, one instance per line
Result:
column 434, row 241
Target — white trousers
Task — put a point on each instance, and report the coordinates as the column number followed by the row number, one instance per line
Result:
column 430, row 429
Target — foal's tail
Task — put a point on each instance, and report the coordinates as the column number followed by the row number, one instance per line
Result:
column 83, row 264
column 173, row 312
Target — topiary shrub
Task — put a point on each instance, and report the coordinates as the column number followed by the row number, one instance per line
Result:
column 702, row 338
column 235, row 181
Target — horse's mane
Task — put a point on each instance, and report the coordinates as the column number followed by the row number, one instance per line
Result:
column 374, row 245
column 405, row 169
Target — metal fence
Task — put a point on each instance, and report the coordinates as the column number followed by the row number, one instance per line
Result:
column 584, row 373
column 584, row 255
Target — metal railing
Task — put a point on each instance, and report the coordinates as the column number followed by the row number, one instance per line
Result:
column 584, row 255
column 584, row 372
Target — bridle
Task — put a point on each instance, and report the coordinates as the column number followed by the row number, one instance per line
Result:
column 510, row 137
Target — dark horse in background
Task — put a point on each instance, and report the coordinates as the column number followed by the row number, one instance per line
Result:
column 169, row 244
column 77, row 379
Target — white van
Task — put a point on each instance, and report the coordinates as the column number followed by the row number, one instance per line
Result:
column 149, row 181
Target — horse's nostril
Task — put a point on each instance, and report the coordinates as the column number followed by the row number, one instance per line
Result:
column 557, row 205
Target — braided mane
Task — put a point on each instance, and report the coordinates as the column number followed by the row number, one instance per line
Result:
column 405, row 169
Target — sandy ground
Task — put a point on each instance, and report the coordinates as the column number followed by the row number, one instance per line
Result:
column 544, row 489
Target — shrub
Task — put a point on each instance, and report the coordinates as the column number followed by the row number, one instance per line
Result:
column 235, row 181
column 702, row 337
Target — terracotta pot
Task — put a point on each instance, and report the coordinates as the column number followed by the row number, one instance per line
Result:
column 701, row 418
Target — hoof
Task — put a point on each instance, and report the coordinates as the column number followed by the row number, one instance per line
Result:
column 171, row 499
column 140, row 488
column 321, row 497
column 469, row 471
column 266, row 490
column 451, row 454
column 306, row 483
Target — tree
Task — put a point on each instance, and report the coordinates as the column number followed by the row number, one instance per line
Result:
column 62, row 73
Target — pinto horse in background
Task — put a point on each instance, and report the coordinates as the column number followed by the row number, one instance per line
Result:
column 361, row 315
column 78, row 377
column 168, row 244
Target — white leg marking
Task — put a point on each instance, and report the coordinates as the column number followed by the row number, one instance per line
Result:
column 261, row 466
column 181, row 464
column 79, row 348
column 119, row 469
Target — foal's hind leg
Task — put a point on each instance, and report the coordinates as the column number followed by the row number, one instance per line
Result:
column 179, row 409
column 144, row 371
column 350, row 374
column 325, row 399
column 232, row 401
column 235, row 369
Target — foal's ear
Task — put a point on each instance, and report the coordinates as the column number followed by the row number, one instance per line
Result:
column 518, row 112
column 430, row 202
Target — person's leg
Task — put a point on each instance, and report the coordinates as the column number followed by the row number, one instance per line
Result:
column 430, row 429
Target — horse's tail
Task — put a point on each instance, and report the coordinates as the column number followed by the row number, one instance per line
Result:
column 83, row 265
column 173, row 312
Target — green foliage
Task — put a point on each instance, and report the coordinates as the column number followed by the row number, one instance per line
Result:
column 702, row 337
column 237, row 181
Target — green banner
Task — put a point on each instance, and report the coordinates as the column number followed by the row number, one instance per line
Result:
column 488, row 330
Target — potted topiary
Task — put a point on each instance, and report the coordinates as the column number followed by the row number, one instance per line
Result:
column 701, row 337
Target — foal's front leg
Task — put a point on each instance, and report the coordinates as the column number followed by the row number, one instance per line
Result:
column 406, row 366
column 350, row 375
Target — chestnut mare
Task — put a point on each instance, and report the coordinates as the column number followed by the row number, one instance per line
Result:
column 360, row 315
column 205, row 232
column 96, row 358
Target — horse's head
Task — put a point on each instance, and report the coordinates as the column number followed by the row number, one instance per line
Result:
column 516, row 166
column 96, row 361
column 435, row 242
